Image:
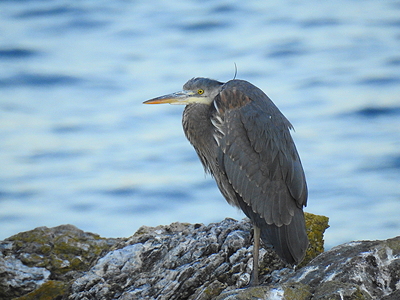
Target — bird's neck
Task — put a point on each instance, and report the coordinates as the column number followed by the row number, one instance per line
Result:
column 199, row 131
column 196, row 123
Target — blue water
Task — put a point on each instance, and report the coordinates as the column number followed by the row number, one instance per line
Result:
column 77, row 146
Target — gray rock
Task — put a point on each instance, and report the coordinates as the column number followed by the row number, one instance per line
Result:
column 179, row 261
column 17, row 279
column 29, row 259
column 356, row 270
column 187, row 261
column 366, row 269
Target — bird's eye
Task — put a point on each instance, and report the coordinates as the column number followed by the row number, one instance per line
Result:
column 200, row 91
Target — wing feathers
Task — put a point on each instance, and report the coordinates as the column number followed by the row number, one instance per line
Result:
column 259, row 159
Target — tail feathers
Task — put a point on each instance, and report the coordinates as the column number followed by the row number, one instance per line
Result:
column 289, row 241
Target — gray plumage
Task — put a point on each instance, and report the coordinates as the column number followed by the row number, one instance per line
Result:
column 244, row 141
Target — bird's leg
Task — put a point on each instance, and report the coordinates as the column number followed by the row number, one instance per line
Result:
column 256, row 248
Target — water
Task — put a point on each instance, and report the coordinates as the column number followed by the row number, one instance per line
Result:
column 77, row 146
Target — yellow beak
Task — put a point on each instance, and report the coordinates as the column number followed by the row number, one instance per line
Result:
column 174, row 98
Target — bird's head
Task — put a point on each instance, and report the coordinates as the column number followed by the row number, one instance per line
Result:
column 196, row 90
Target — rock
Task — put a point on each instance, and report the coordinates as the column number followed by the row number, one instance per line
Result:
column 51, row 289
column 172, row 262
column 30, row 259
column 182, row 261
column 190, row 261
column 354, row 271
column 316, row 226
column 16, row 278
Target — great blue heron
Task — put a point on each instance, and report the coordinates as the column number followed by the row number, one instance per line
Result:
column 244, row 141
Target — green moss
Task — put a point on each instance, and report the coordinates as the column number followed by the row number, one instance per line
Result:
column 297, row 291
column 250, row 293
column 253, row 293
column 337, row 290
column 60, row 249
column 47, row 291
column 76, row 263
column 361, row 295
column 316, row 226
column 213, row 290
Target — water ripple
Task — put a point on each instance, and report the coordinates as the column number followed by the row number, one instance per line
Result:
column 204, row 26
column 43, row 156
column 121, row 192
column 20, row 195
column 38, row 80
column 312, row 23
column 48, row 12
column 287, row 49
column 374, row 112
column 385, row 163
column 380, row 81
column 16, row 53
column 395, row 62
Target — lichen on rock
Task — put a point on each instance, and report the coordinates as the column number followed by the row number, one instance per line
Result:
column 49, row 290
column 359, row 270
column 193, row 262
column 172, row 262
column 316, row 226
column 33, row 257
column 61, row 250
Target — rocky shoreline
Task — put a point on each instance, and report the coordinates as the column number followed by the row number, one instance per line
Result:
column 191, row 261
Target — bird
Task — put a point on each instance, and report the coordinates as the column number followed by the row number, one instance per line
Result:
column 244, row 141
